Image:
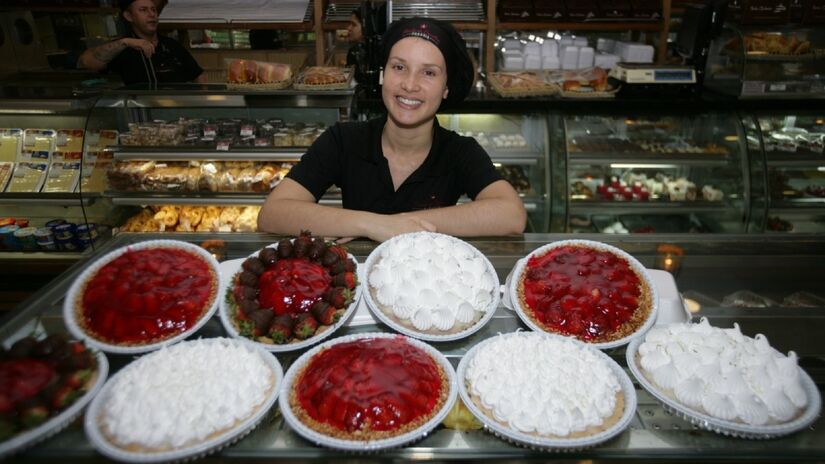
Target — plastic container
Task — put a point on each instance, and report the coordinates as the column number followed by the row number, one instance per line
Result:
column 7, row 239
column 87, row 232
column 64, row 232
column 25, row 238
column 47, row 246
column 55, row 222
column 44, row 235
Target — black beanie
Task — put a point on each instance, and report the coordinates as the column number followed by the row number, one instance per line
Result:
column 443, row 35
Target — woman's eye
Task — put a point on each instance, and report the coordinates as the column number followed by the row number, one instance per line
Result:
column 398, row 67
column 429, row 73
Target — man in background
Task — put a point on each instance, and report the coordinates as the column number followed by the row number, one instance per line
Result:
column 143, row 55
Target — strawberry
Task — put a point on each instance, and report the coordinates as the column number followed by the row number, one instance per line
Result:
column 22, row 348
column 262, row 319
column 243, row 292
column 281, row 329
column 285, row 249
column 34, row 415
column 340, row 251
column 323, row 312
column 305, row 326
column 346, row 279
column 337, row 268
column 330, row 258
column 302, row 244
column 254, row 265
column 338, row 297
column 349, row 266
column 268, row 256
column 316, row 250
column 64, row 396
column 248, row 279
column 77, row 379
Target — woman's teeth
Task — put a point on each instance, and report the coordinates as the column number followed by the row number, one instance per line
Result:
column 407, row 101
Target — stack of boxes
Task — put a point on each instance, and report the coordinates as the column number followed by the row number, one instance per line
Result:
column 571, row 53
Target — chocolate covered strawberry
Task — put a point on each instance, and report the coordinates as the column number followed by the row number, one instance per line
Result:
column 339, row 297
column 324, row 313
column 346, row 279
column 305, row 326
column 280, row 330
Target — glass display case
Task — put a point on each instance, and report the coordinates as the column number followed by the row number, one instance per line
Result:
column 767, row 61
column 648, row 173
column 203, row 160
column 517, row 144
column 794, row 148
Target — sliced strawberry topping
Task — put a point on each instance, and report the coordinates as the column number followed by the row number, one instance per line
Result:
column 581, row 291
column 292, row 286
column 376, row 384
column 21, row 379
column 146, row 295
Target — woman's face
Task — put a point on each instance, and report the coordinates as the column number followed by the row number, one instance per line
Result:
column 354, row 32
column 415, row 82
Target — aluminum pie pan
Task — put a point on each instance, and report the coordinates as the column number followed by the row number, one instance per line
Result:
column 70, row 316
column 518, row 270
column 550, row 444
column 59, row 422
column 92, row 425
column 229, row 326
column 372, row 445
column 726, row 427
column 411, row 332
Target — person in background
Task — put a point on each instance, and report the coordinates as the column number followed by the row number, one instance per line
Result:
column 143, row 55
column 402, row 172
column 355, row 36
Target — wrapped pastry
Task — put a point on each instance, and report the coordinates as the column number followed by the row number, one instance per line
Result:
column 167, row 217
column 246, row 178
column 248, row 220
column 266, row 178
column 193, row 177
column 190, row 217
column 227, row 218
column 209, row 179
column 166, row 177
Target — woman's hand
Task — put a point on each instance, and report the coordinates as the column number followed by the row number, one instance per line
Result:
column 141, row 45
column 396, row 224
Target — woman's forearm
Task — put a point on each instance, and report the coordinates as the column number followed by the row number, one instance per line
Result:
column 487, row 217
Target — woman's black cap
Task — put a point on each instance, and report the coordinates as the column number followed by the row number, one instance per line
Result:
column 443, row 35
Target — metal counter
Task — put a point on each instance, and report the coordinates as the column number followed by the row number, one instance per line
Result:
column 707, row 266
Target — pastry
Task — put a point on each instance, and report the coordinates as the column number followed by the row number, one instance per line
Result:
column 723, row 373
column 369, row 389
column 587, row 290
column 146, row 295
column 547, row 387
column 432, row 283
column 292, row 292
column 185, row 395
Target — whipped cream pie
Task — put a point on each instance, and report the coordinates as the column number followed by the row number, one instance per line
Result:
column 723, row 373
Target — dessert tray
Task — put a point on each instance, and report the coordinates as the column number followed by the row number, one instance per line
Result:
column 59, row 422
column 726, row 427
column 521, row 84
column 214, row 442
column 393, row 323
column 75, row 291
column 231, row 268
column 641, row 271
column 535, row 441
column 366, row 445
column 323, row 78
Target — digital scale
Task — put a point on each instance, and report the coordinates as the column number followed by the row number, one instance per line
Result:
column 632, row 73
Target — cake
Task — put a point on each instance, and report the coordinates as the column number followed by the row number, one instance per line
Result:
column 291, row 292
column 723, row 373
column 431, row 283
column 544, row 386
column 147, row 294
column 184, row 395
column 587, row 290
column 368, row 389
column 39, row 379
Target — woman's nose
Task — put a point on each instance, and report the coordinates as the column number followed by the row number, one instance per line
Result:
column 409, row 82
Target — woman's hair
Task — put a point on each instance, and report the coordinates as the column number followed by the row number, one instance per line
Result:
column 460, row 71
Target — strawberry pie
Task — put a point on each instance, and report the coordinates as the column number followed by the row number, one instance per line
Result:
column 292, row 292
column 146, row 295
column 590, row 292
column 369, row 389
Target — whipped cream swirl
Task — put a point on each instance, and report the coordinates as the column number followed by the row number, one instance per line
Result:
column 723, row 372
column 182, row 395
column 432, row 280
column 543, row 385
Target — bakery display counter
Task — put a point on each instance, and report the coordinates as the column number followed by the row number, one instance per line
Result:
column 715, row 275
column 647, row 173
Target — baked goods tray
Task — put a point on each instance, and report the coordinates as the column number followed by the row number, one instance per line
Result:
column 345, row 82
column 498, row 82
column 280, row 85
column 726, row 427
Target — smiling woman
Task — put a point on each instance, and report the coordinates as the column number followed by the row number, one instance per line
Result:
column 401, row 172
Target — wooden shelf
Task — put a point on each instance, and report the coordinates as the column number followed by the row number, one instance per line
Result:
column 470, row 25
column 586, row 26
column 335, row 25
column 295, row 27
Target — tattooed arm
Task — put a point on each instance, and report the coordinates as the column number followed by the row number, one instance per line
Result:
column 97, row 58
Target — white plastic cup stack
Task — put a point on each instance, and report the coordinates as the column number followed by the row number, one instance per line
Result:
column 569, row 57
column 585, row 57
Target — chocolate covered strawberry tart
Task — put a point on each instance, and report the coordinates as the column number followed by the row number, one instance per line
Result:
column 39, row 379
column 149, row 293
column 369, row 389
column 293, row 291
column 587, row 290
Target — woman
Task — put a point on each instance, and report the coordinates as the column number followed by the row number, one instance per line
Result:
column 402, row 172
